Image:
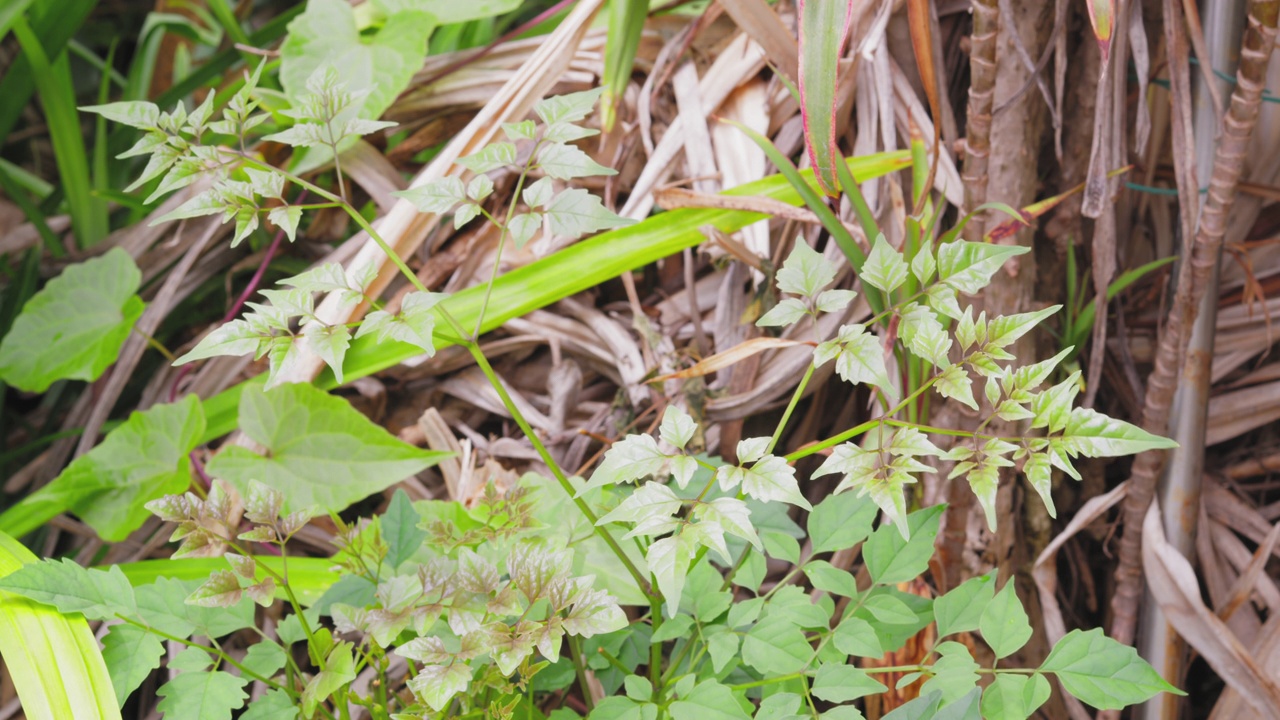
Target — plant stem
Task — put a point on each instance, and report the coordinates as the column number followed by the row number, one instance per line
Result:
column 217, row 652
column 502, row 239
column 580, row 668
column 791, row 406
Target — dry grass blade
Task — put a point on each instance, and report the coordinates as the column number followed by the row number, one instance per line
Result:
column 758, row 20
column 1173, row 584
column 722, row 360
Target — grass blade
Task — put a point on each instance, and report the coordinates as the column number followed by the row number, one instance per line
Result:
column 308, row 577
column 626, row 24
column 54, row 23
column 53, row 659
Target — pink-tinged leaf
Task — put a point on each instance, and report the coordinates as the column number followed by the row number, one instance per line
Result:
column 1102, row 17
column 824, row 27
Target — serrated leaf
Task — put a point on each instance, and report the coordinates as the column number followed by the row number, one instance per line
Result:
column 539, row 192
column 649, row 501
column 164, row 606
column 677, row 428
column 437, row 684
column 479, row 188
column 465, row 213
column 569, row 108
column 523, row 227
column 770, row 478
column 859, row 358
column 438, row 196
column 1004, row 624
column 1052, row 408
column 265, row 658
column 576, row 212
column 222, row 589
column 836, row 300
column 668, row 560
column 202, row 696
column 787, row 312
column 320, row 451
column 1039, row 471
column 130, row 653
column 523, row 130
column 924, row 335
column 328, row 277
column 490, row 157
column 110, row 485
column 923, row 265
column 733, row 515
column 565, row 162
column 884, row 268
column 1014, row 697
column 274, row 705
column 329, row 343
column 627, row 460
column 286, row 218
column 414, row 324
column 960, row 610
column 968, row 266
column 843, row 683
column 74, row 327
column 805, row 272
column 1092, row 434
column 380, row 65
column 1102, row 672
column 1005, row 330
column 339, row 672
column 136, row 114
column 400, row 529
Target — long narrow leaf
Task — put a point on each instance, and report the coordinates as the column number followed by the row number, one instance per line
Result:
column 57, row 97
column 626, row 24
column 824, row 26
column 53, row 23
column 53, row 659
column 309, row 578
column 1084, row 321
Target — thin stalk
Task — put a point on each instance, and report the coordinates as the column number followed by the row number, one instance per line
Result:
column 502, row 239
column 791, row 406
column 216, row 652
column 580, row 669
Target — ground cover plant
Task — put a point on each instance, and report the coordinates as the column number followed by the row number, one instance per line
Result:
column 624, row 543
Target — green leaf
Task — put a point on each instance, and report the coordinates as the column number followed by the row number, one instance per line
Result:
column 955, row 673
column 163, row 605
column 776, row 646
column 885, row 269
column 135, row 114
column 286, row 218
column 828, row 578
column 630, row 459
column 109, row 486
column 1092, row 434
column 330, row 343
column 709, row 701
column 960, row 610
column 891, row 559
column 781, row 546
column 859, row 358
column 96, row 594
column 677, row 427
column 523, row 227
column 339, row 671
column 842, row 683
column 1102, row 672
column 651, row 507
column 327, row 35
column 955, row 383
column 414, row 324
column 490, row 157
column 668, row 560
column 1005, row 330
column 565, row 162
column 855, row 636
column 924, row 335
column 922, row 708
column 265, row 658
column 131, row 653
column 622, row 708
column 889, row 609
column 1004, row 623
column 968, row 266
column 202, row 696
column 840, row 522
column 275, row 705
column 780, row 706
column 446, row 12
column 805, row 272
column 567, row 108
column 671, row 629
column 75, row 326
column 639, row 688
column 576, row 212
column 400, row 529
column 319, row 451
column 1014, row 697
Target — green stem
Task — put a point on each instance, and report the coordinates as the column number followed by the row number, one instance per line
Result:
column 216, row 652
column 791, row 406
column 580, row 668
column 502, row 238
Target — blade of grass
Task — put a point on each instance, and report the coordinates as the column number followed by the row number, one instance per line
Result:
column 309, row 577
column 824, row 27
column 1083, row 322
column 626, row 24
column 57, row 97
column 53, row 23
column 9, row 11
column 53, row 659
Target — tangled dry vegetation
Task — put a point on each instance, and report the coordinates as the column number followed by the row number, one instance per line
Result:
column 591, row 367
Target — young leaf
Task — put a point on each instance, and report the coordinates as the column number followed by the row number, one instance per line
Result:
column 330, row 343
column 523, row 227
column 1102, row 672
column 627, row 460
column 961, row 609
column 805, row 272
column 668, row 560
column 136, row 114
column 955, row 383
column 567, row 108
column 539, row 192
column 1039, row 471
column 202, row 695
column 1014, row 697
column 339, row 672
column 859, row 358
column 109, row 487
column 414, row 324
column 324, row 454
column 787, row 312
column 1092, row 434
column 770, row 478
column 1005, row 330
column 843, row 683
column 733, row 516
column 677, row 427
column 438, row 196
column 576, row 212
column 924, row 335
column 75, row 326
column 891, row 559
column 565, row 162
column 490, row 157
column 651, row 503
column 400, row 529
column 885, row 269
column 968, row 266
column 1004, row 623
column 130, row 653
column 286, row 218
